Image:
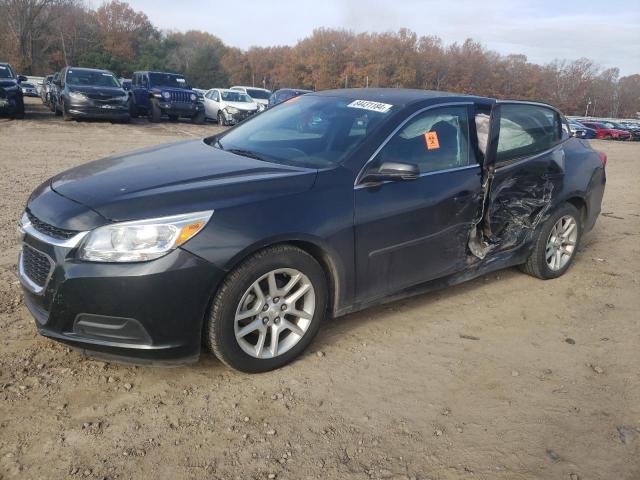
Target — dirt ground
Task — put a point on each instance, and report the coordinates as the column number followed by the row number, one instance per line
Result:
column 504, row 377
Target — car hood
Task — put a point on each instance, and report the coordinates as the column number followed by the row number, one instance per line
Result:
column 106, row 91
column 242, row 105
column 178, row 178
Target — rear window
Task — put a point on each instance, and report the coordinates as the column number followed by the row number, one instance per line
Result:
column 526, row 130
column 260, row 94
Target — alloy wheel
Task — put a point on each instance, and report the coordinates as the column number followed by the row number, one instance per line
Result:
column 561, row 243
column 274, row 313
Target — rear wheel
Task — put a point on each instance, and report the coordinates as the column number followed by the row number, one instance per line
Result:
column 268, row 310
column 557, row 244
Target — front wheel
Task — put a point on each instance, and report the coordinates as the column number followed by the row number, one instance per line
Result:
column 198, row 118
column 155, row 112
column 555, row 249
column 221, row 121
column 267, row 310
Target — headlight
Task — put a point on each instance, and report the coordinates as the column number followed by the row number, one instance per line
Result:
column 78, row 96
column 193, row 97
column 232, row 110
column 166, row 95
column 142, row 240
column 261, row 107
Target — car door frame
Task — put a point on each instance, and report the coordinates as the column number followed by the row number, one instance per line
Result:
column 364, row 292
column 493, row 172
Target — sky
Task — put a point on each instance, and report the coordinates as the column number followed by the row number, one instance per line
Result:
column 607, row 32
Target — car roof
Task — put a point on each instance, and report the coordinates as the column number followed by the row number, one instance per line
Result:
column 252, row 88
column 89, row 69
column 394, row 96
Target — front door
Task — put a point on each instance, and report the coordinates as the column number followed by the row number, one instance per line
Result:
column 408, row 232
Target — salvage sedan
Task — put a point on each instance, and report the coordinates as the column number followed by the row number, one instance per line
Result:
column 247, row 240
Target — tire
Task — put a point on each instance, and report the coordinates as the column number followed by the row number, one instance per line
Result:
column 133, row 109
column 57, row 111
column 537, row 265
column 154, row 114
column 65, row 115
column 198, row 118
column 236, row 290
column 221, row 121
column 19, row 114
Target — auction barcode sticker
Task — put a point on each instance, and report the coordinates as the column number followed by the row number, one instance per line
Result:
column 373, row 106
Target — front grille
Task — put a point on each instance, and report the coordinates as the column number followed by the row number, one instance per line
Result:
column 50, row 230
column 35, row 265
column 181, row 97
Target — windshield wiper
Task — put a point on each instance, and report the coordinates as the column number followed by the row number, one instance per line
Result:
column 245, row 153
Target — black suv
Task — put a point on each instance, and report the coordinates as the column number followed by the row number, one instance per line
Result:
column 90, row 93
column 11, row 99
column 158, row 93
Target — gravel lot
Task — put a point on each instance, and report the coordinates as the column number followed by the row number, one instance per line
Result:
column 504, row 377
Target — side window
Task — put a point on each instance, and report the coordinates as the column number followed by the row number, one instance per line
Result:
column 526, row 130
column 434, row 140
column 216, row 96
column 144, row 80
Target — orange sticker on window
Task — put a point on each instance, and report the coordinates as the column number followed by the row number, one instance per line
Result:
column 431, row 139
column 293, row 99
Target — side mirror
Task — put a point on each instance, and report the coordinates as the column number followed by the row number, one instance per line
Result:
column 393, row 171
column 22, row 78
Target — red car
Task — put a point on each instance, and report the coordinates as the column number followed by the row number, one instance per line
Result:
column 607, row 131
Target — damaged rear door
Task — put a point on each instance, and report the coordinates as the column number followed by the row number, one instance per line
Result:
column 522, row 175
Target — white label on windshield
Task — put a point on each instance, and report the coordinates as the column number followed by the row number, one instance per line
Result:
column 107, row 75
column 373, row 106
column 181, row 80
column 3, row 67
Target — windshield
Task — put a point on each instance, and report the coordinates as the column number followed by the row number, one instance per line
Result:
column 309, row 131
column 168, row 80
column 260, row 94
column 6, row 72
column 233, row 96
column 91, row 78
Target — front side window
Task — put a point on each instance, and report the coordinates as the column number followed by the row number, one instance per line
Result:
column 526, row 130
column 308, row 131
column 437, row 139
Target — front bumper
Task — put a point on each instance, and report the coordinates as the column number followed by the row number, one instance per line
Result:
column 235, row 118
column 181, row 109
column 9, row 106
column 144, row 312
column 107, row 111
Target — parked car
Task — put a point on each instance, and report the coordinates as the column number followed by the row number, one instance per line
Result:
column 228, row 107
column 156, row 94
column 260, row 95
column 581, row 131
column 606, row 130
column 46, row 87
column 247, row 240
column 285, row 94
column 29, row 89
column 633, row 129
column 11, row 97
column 90, row 93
